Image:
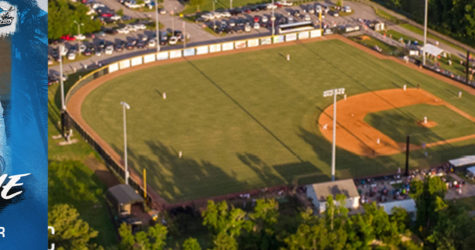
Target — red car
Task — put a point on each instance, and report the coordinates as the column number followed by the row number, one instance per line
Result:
column 256, row 19
column 106, row 14
column 68, row 38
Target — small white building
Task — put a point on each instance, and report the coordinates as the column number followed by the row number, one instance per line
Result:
column 319, row 192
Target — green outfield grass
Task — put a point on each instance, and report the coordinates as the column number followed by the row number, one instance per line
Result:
column 248, row 120
column 398, row 123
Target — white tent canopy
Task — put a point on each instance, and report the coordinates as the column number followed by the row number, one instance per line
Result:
column 409, row 205
column 432, row 50
column 463, row 161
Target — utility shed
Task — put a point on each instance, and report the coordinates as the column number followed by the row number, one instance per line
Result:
column 122, row 197
column 320, row 191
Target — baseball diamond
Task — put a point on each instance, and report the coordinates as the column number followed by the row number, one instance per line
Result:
column 240, row 121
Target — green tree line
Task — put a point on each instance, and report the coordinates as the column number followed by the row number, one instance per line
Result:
column 438, row 224
column 455, row 17
column 62, row 17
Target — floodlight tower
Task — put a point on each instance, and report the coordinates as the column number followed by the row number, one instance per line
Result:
column 125, row 107
column 334, row 93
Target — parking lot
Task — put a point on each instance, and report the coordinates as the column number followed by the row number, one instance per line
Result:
column 123, row 40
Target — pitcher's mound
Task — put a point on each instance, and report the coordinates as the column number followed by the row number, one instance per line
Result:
column 428, row 124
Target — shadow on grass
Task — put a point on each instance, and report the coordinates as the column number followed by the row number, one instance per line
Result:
column 180, row 179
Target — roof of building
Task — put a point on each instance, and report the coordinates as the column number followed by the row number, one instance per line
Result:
column 409, row 205
column 346, row 187
column 463, row 161
column 124, row 194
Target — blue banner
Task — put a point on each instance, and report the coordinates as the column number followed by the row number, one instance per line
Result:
column 23, row 125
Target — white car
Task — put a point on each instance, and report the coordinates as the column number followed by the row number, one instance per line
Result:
column 264, row 19
column 307, row 17
column 64, row 51
column 271, row 6
column 109, row 49
column 257, row 26
column 71, row 56
column 80, row 37
column 152, row 43
column 123, row 30
column 247, row 28
column 173, row 40
column 82, row 48
column 139, row 26
column 208, row 16
column 347, row 9
column 284, row 3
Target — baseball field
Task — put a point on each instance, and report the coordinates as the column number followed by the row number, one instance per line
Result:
column 253, row 119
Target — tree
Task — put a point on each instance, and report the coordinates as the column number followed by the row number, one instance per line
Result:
column 63, row 15
column 127, row 240
column 429, row 197
column 264, row 218
column 191, row 244
column 219, row 218
column 153, row 238
column 71, row 232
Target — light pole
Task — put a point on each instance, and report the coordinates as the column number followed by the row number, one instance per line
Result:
column 214, row 18
column 61, row 84
column 272, row 18
column 157, row 26
column 334, row 93
column 425, row 33
column 124, row 107
column 78, row 24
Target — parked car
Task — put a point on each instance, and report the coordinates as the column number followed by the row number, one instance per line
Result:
column 80, row 37
column 109, row 49
column 257, row 26
column 247, row 27
column 173, row 40
column 71, row 56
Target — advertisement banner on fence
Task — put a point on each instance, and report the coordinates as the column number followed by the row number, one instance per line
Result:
column 228, row 46
column 240, row 44
column 175, row 54
column 303, row 35
column 253, row 43
column 189, row 52
column 315, row 33
column 124, row 64
column 162, row 55
column 136, row 61
column 202, row 50
column 113, row 67
column 149, row 58
column 266, row 40
column 215, row 48
column 290, row 37
column 278, row 39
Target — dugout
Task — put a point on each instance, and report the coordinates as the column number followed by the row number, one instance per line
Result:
column 123, row 197
column 319, row 192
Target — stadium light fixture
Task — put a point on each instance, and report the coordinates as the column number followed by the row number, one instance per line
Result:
column 157, row 24
column 425, row 33
column 334, row 93
column 125, row 106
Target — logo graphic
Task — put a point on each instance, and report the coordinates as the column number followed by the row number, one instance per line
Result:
column 8, row 19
